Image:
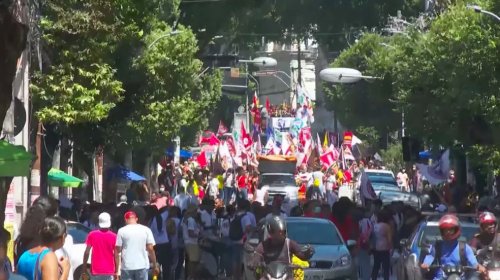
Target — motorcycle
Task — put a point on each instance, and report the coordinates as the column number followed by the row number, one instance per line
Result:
column 491, row 261
column 454, row 272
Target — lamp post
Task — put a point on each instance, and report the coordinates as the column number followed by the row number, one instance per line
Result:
column 478, row 9
column 342, row 76
column 171, row 33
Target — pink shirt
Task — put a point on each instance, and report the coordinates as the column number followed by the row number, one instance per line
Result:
column 160, row 202
column 103, row 246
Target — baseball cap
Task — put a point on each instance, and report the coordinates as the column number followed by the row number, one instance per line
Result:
column 130, row 215
column 104, row 220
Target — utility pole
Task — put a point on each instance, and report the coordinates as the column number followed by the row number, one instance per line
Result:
column 299, row 65
column 35, row 171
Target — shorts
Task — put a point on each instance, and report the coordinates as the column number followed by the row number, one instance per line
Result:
column 101, row 277
column 193, row 252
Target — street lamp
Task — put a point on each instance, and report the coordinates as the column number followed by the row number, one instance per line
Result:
column 478, row 9
column 343, row 75
column 261, row 61
column 171, row 33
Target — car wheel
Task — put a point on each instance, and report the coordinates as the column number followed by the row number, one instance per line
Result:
column 77, row 275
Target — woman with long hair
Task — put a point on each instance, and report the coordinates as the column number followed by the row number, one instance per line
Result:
column 40, row 262
column 29, row 236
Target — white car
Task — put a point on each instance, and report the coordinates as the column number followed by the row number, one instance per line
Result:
column 74, row 248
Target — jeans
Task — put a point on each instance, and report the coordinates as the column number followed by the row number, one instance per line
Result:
column 180, row 263
column 243, row 193
column 173, row 264
column 101, row 277
column 163, row 253
column 381, row 258
column 365, row 270
column 136, row 274
column 228, row 192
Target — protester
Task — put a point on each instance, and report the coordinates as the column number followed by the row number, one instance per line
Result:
column 102, row 243
column 135, row 244
column 41, row 262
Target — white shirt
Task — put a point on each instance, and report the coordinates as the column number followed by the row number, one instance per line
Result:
column 182, row 200
column 133, row 239
column 228, row 180
column 260, row 195
column 190, row 224
column 213, row 187
column 161, row 235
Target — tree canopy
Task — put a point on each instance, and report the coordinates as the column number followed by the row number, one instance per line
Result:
column 444, row 79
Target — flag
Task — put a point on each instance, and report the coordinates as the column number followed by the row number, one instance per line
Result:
column 268, row 105
column 347, row 139
column 318, row 144
column 365, row 188
column 356, row 140
column 245, row 138
column 439, row 171
column 208, row 138
column 325, row 140
column 269, row 148
column 348, row 154
column 327, row 159
column 222, row 129
column 202, row 159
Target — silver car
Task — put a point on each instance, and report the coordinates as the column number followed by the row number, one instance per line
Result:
column 281, row 184
column 331, row 260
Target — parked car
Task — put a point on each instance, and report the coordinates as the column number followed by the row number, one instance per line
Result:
column 379, row 187
column 414, row 249
column 379, row 173
column 331, row 259
column 74, row 248
column 281, row 184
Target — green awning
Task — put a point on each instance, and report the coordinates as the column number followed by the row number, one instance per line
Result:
column 58, row 178
column 14, row 160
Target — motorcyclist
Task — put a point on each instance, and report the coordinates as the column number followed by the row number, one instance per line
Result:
column 277, row 247
column 450, row 251
column 488, row 228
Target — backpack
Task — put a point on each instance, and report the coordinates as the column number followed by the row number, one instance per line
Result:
column 461, row 251
column 235, row 228
column 171, row 227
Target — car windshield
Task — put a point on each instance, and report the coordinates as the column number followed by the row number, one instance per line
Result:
column 431, row 233
column 278, row 179
column 79, row 232
column 385, row 186
column 379, row 174
column 324, row 233
column 382, row 179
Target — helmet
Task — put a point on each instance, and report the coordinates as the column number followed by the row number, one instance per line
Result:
column 449, row 227
column 487, row 219
column 276, row 224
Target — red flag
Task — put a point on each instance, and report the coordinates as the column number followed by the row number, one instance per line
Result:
column 327, row 159
column 202, row 160
column 231, row 147
column 348, row 138
column 222, row 129
column 245, row 139
column 268, row 105
column 208, row 138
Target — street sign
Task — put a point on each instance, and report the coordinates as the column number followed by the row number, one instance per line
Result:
column 235, row 72
column 264, row 73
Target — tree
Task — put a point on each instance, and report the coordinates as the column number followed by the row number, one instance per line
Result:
column 367, row 103
column 175, row 95
column 392, row 157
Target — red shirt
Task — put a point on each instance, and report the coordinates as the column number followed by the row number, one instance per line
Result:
column 242, row 182
column 346, row 228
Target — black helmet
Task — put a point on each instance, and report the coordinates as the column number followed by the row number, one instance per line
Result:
column 275, row 224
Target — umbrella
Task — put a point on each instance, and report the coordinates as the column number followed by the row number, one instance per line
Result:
column 183, row 153
column 58, row 178
column 123, row 173
column 14, row 160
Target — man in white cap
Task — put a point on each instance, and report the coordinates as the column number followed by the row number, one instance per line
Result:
column 102, row 242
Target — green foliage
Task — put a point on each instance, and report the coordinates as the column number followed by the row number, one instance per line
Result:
column 393, row 157
column 78, row 84
column 69, row 94
column 369, row 136
column 174, row 95
column 445, row 80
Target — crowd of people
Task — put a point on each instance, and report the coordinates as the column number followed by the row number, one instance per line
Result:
column 165, row 233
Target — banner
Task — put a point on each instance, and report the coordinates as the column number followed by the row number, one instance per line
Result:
column 282, row 124
column 348, row 139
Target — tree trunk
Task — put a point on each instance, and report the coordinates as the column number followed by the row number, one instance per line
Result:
column 4, row 190
column 13, row 35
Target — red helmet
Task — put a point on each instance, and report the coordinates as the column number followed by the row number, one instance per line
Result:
column 450, row 227
column 487, row 219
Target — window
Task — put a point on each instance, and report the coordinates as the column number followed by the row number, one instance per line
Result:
column 313, row 233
